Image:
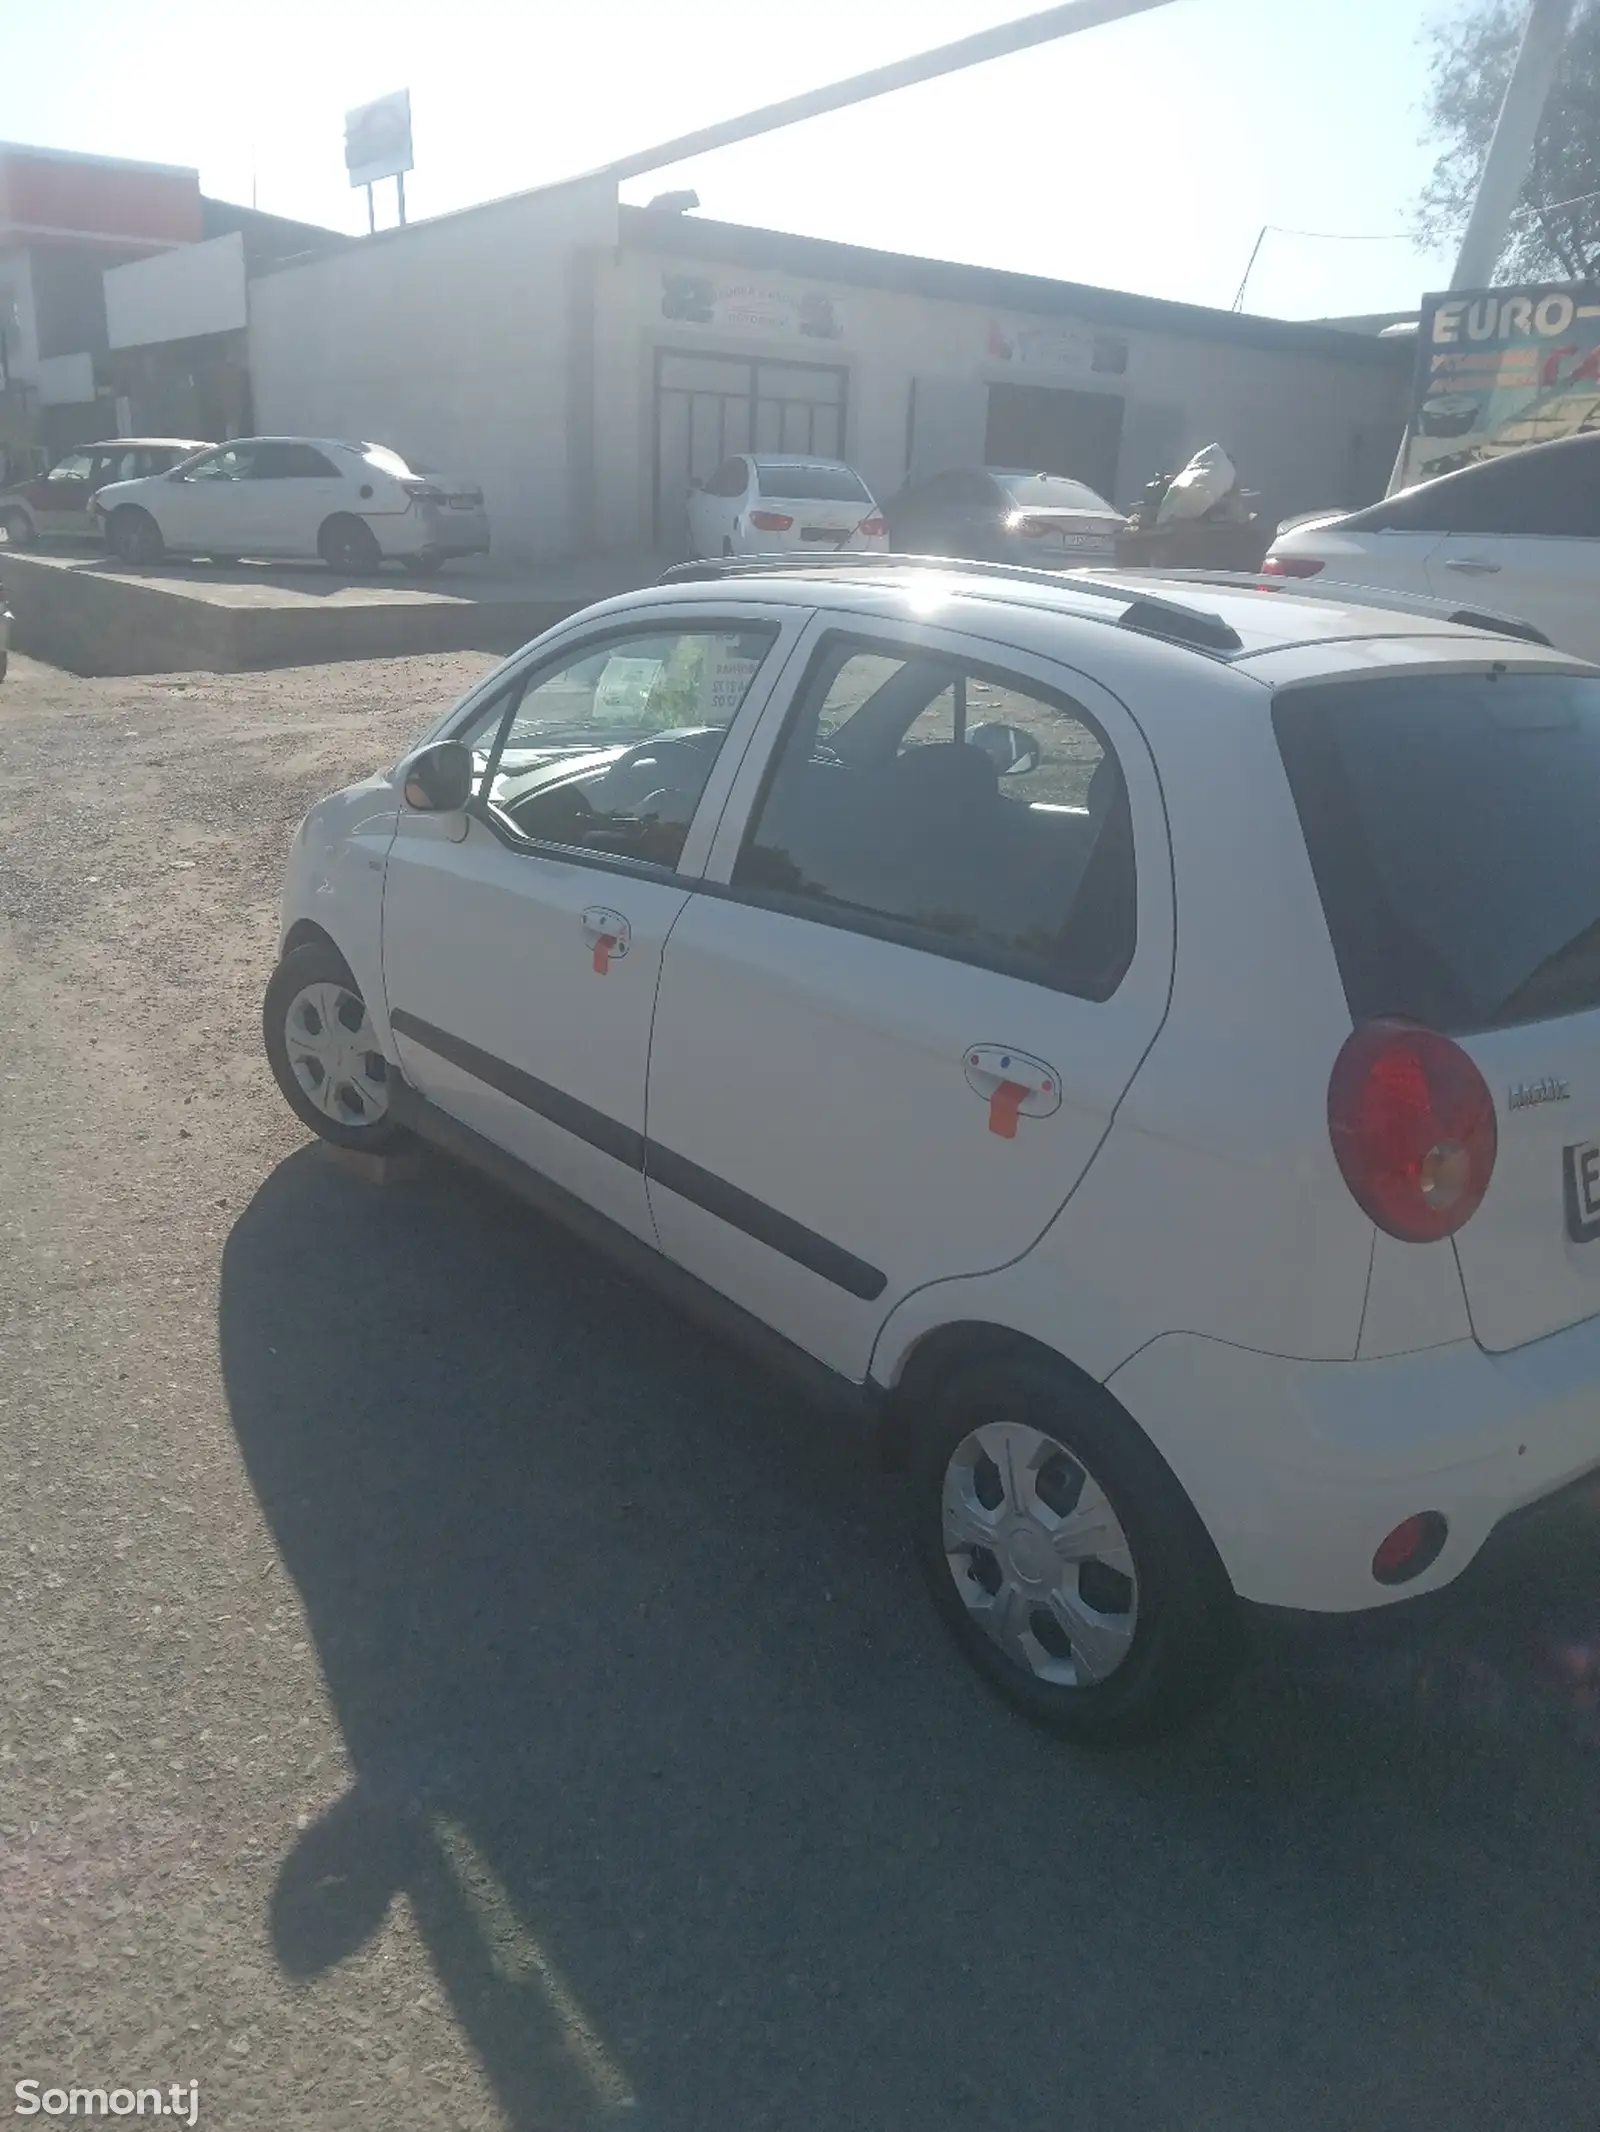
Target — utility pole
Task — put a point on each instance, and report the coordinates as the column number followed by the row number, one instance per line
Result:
column 1511, row 150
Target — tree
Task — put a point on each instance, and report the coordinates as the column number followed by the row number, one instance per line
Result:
column 1555, row 233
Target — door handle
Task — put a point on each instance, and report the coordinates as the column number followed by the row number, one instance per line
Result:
column 1013, row 1084
column 1471, row 566
column 607, row 935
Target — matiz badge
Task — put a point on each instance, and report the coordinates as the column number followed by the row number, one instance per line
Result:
column 1552, row 1089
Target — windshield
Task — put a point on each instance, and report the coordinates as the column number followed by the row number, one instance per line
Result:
column 819, row 483
column 1450, row 823
column 1050, row 492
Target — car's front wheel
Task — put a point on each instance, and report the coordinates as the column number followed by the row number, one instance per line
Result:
column 324, row 1052
column 18, row 527
column 134, row 535
column 1064, row 1557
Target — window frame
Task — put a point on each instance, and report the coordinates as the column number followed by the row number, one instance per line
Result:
column 979, row 660
column 786, row 627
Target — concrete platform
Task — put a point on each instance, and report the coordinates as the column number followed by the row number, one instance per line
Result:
column 92, row 615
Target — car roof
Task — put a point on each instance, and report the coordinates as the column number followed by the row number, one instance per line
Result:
column 145, row 444
column 792, row 459
column 1231, row 620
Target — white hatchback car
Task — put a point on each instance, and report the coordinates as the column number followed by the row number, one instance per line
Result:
column 1521, row 532
column 1140, row 1042
column 770, row 503
column 354, row 506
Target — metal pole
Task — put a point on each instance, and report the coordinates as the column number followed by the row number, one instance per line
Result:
column 372, row 220
column 1006, row 37
column 400, row 194
column 1511, row 150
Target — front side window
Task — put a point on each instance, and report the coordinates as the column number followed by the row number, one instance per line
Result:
column 233, row 463
column 954, row 808
column 73, row 468
column 610, row 751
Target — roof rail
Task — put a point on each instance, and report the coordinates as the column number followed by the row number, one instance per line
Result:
column 1357, row 595
column 1150, row 615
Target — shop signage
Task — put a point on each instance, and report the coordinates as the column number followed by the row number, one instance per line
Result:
column 750, row 307
column 1040, row 344
column 1501, row 368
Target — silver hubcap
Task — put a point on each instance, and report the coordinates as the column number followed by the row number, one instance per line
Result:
column 1038, row 1555
column 334, row 1054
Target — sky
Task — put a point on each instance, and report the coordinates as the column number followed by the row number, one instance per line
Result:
column 1144, row 155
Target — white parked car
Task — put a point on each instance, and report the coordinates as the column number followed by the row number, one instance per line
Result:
column 297, row 498
column 768, row 503
column 1520, row 533
column 1139, row 1042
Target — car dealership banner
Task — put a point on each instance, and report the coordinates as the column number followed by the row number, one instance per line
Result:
column 1501, row 368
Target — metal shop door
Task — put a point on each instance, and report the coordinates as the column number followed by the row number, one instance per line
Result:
column 1052, row 430
column 708, row 406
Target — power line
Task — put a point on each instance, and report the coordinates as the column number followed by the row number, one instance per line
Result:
column 1323, row 236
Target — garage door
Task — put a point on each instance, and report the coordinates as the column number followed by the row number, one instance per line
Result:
column 708, row 406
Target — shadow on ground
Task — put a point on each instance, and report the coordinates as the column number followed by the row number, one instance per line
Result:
column 707, row 1828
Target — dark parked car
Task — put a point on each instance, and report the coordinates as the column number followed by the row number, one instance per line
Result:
column 998, row 515
column 58, row 502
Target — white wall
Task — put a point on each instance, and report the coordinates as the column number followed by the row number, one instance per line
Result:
column 454, row 342
column 1288, row 417
column 177, row 295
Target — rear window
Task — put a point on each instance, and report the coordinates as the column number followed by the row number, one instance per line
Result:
column 810, row 484
column 1451, row 825
column 1050, row 492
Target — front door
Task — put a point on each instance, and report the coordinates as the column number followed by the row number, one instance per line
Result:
column 213, row 507
column 61, row 499
column 887, row 1049
column 522, row 943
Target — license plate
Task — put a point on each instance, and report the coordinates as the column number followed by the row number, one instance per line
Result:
column 833, row 535
column 1084, row 540
column 1583, row 1192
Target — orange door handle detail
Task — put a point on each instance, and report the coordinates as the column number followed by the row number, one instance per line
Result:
column 606, row 934
column 603, row 948
column 1003, row 1107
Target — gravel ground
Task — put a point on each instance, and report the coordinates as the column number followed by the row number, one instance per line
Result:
column 440, row 1691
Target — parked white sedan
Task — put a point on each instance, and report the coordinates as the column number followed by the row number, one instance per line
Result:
column 770, row 503
column 1519, row 534
column 354, row 506
column 1137, row 1042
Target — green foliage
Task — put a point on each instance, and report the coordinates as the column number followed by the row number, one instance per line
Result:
column 1470, row 63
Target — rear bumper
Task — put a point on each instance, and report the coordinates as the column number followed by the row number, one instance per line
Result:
column 428, row 530
column 1299, row 1469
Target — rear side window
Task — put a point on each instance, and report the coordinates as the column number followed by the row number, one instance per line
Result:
column 953, row 808
column 1051, row 492
column 1450, row 822
column 1554, row 494
column 810, row 484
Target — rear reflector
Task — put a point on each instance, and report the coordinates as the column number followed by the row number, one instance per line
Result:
column 1292, row 566
column 1413, row 1129
column 1413, row 1546
column 770, row 521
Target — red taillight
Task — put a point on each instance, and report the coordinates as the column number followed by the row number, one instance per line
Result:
column 1413, row 1129
column 1414, row 1545
column 1292, row 566
column 873, row 528
column 423, row 491
column 1035, row 528
column 770, row 521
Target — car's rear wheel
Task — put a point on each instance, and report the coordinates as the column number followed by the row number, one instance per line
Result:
column 134, row 536
column 324, row 1052
column 349, row 546
column 422, row 565
column 18, row 527
column 1064, row 1557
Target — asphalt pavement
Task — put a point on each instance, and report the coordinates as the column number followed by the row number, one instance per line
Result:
column 442, row 1690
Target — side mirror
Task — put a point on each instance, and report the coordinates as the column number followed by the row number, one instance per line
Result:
column 178, row 474
column 439, row 780
column 1013, row 751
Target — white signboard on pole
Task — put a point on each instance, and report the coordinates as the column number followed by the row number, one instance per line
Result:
column 377, row 139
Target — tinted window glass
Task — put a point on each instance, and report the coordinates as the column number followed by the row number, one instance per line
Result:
column 76, row 467
column 955, row 809
column 611, row 749
column 1555, row 492
column 811, row 484
column 291, row 462
column 1050, row 492
column 233, row 463
column 729, row 479
column 1450, row 823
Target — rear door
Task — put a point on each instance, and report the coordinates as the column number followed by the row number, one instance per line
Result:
column 887, row 1048
column 293, row 489
column 1525, row 540
column 1450, row 821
